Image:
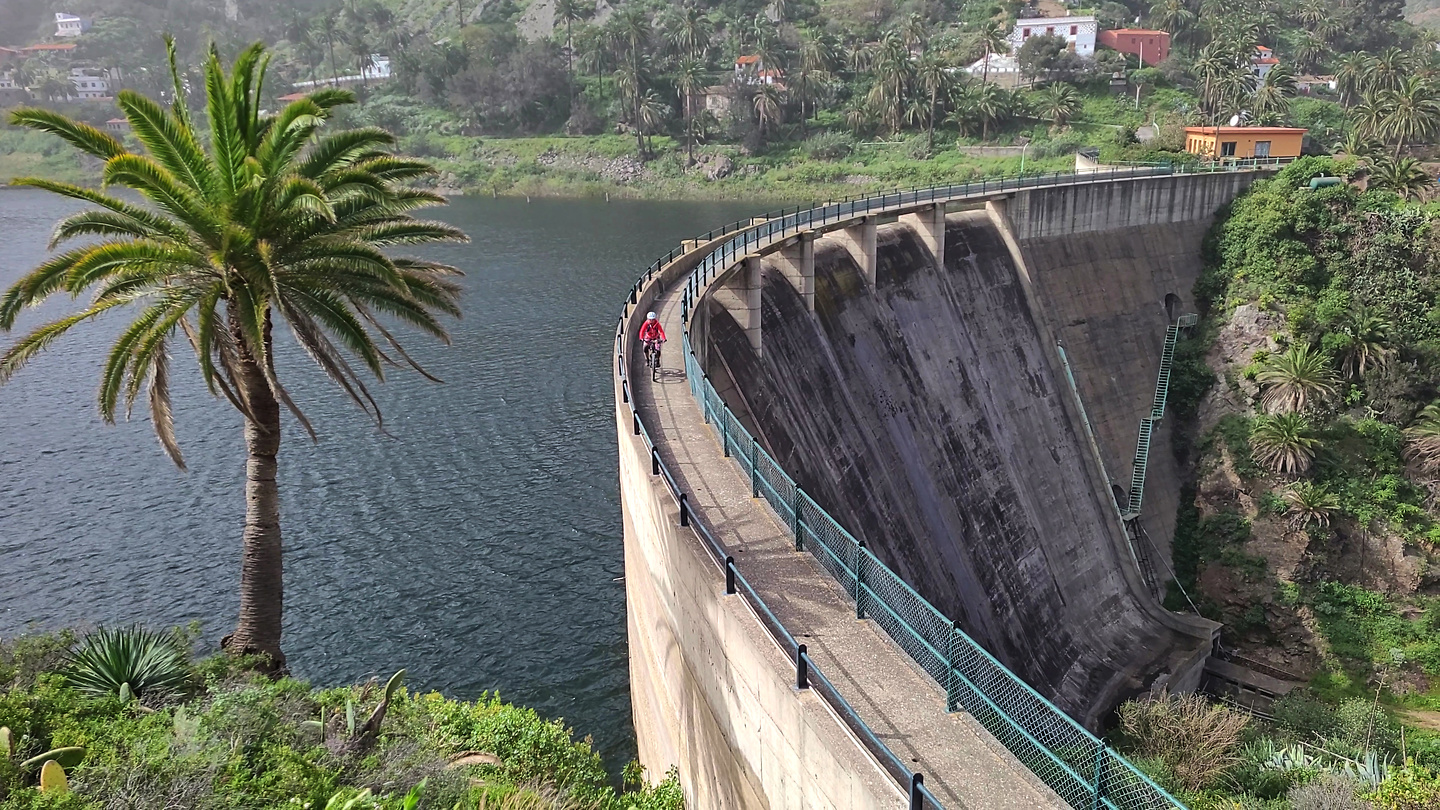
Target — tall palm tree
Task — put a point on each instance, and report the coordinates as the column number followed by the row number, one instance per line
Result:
column 1352, row 72
column 769, row 104
column 1174, row 16
column 1422, row 438
column 270, row 221
column 989, row 103
column 1283, row 443
column 1272, row 96
column 632, row 25
column 893, row 73
column 690, row 32
column 653, row 112
column 933, row 76
column 819, row 54
column 1411, row 111
column 992, row 38
column 1059, row 103
column 1404, row 176
column 570, row 12
column 1295, row 378
column 1388, row 70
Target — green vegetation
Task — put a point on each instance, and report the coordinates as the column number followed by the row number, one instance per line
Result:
column 273, row 219
column 1312, row 505
column 223, row 737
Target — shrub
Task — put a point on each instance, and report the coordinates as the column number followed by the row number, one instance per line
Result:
column 1328, row 792
column 110, row 659
column 829, row 145
column 1304, row 717
column 1195, row 739
column 1412, row 787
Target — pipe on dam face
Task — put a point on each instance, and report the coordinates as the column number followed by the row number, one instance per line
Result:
column 921, row 408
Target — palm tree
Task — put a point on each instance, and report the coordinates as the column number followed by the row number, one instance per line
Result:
column 769, row 103
column 933, row 76
column 989, row 105
column 1388, row 70
column 992, row 37
column 1295, row 377
column 652, row 113
column 1411, row 111
column 1309, row 504
column 272, row 222
column 1174, row 16
column 893, row 73
column 1356, row 144
column 1422, row 438
column 1059, row 103
column 1366, row 335
column 570, row 12
column 632, row 27
column 1283, row 443
column 1352, row 71
column 1404, row 176
column 1272, row 96
column 819, row 53
column 690, row 33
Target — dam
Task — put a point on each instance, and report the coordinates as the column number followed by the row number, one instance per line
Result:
column 884, row 534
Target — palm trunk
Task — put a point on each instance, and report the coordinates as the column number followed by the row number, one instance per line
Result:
column 930, row 136
column 261, row 571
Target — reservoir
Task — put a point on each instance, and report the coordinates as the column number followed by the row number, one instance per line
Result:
column 476, row 542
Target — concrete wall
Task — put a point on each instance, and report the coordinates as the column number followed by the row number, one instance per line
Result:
column 1069, row 210
column 926, row 418
column 712, row 694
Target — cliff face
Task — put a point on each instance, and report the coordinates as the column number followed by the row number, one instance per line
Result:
column 927, row 417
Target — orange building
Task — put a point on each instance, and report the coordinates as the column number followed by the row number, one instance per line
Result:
column 1153, row 47
column 1244, row 142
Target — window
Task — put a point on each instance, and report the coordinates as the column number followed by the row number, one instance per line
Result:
column 1027, row 33
column 1074, row 29
column 1049, row 30
column 1262, row 149
column 1227, row 149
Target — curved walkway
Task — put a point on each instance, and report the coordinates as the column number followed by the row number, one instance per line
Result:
column 964, row 766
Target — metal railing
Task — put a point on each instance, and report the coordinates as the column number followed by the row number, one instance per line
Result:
column 1079, row 767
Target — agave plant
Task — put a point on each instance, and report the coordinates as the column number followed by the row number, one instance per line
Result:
column 1422, row 439
column 128, row 661
column 1283, row 443
column 1310, row 504
column 1295, row 378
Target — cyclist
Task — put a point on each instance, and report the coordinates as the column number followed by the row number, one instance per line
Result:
column 652, row 334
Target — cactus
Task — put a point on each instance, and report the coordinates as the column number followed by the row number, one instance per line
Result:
column 350, row 717
column 52, row 778
column 7, row 743
column 394, row 683
column 65, row 757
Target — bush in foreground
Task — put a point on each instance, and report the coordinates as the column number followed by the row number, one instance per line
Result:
column 225, row 738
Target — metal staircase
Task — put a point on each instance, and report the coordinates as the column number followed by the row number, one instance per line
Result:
column 1157, row 412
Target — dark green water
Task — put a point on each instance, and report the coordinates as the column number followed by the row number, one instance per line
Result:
column 479, row 545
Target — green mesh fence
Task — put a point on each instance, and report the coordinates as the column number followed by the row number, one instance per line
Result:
column 1079, row 767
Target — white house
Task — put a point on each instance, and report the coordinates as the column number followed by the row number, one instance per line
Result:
column 7, row 81
column 68, row 25
column 1000, row 65
column 751, row 70
column 378, row 70
column 1262, row 62
column 90, row 83
column 1079, row 32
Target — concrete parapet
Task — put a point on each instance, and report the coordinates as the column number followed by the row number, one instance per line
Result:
column 858, row 237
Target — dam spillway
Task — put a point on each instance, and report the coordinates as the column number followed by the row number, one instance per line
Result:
column 803, row 337
column 926, row 416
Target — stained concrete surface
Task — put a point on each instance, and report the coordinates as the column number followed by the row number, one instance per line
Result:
column 926, row 417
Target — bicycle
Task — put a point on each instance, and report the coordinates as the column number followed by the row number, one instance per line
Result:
column 652, row 358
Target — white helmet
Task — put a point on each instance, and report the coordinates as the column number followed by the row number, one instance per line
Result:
column 650, row 316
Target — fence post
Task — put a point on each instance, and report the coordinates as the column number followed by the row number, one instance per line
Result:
column 654, row 461
column 636, row 415
column 917, row 799
column 859, row 580
column 795, row 510
column 754, row 470
column 729, row 576
column 1099, row 763
column 724, row 434
column 950, row 699
column 684, row 510
column 802, row 668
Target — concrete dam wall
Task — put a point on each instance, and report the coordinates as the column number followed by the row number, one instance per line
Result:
column 930, row 415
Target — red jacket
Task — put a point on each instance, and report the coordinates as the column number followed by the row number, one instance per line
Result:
column 652, row 330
